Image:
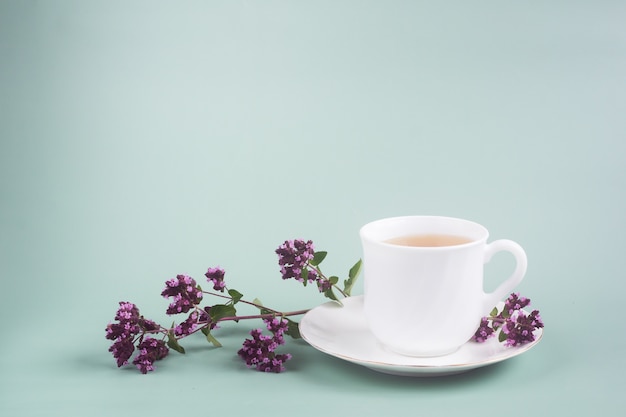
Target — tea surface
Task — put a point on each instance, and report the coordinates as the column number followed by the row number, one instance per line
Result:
column 429, row 240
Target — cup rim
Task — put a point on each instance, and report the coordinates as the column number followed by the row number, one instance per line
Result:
column 479, row 234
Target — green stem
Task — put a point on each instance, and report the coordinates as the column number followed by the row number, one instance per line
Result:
column 321, row 274
column 249, row 317
column 244, row 301
column 341, row 291
column 264, row 316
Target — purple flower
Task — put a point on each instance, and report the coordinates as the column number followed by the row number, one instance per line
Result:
column 517, row 327
column 278, row 326
column 127, row 311
column 129, row 324
column 259, row 352
column 122, row 350
column 184, row 292
column 312, row 275
column 188, row 326
column 123, row 332
column 216, row 277
column 148, row 325
column 515, row 303
column 324, row 285
column 293, row 257
column 484, row 331
column 520, row 327
column 150, row 350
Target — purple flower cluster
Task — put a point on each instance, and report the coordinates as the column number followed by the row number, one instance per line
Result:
column 150, row 350
column 515, row 303
column 186, row 327
column 294, row 257
column 129, row 324
column 123, row 332
column 215, row 276
column 517, row 327
column 484, row 332
column 323, row 284
column 259, row 352
column 184, row 292
column 196, row 318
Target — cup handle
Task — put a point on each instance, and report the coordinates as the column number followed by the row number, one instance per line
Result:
column 503, row 290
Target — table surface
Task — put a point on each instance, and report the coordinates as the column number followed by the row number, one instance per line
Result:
column 140, row 140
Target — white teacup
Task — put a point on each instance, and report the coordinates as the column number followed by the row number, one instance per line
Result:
column 428, row 300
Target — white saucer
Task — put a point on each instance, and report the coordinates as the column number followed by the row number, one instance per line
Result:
column 342, row 332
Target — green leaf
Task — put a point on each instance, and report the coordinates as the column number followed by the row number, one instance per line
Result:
column 220, row 311
column 305, row 276
column 329, row 293
column 209, row 337
column 501, row 336
column 235, row 295
column 173, row 343
column 293, row 329
column 318, row 257
column 352, row 276
column 355, row 270
column 257, row 302
column 213, row 340
column 494, row 312
column 333, row 280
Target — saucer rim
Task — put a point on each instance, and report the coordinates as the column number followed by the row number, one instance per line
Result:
column 412, row 368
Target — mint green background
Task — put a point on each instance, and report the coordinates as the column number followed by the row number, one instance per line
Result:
column 139, row 140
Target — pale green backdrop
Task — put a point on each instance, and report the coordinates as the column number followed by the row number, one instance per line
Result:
column 139, row 140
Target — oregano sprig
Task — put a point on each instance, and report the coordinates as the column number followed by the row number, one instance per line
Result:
column 513, row 326
column 132, row 332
